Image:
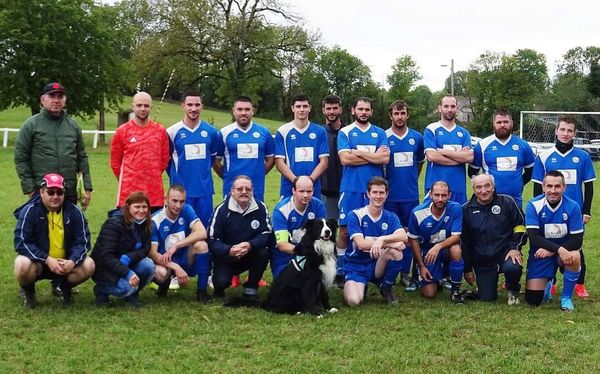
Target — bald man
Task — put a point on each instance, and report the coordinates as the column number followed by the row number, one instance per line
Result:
column 139, row 153
column 289, row 216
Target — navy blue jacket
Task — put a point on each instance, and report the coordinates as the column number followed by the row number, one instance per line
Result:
column 230, row 225
column 31, row 233
column 490, row 231
column 117, row 238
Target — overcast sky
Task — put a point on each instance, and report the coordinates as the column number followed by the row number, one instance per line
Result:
column 434, row 32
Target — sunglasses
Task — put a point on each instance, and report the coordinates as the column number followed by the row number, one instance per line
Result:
column 52, row 192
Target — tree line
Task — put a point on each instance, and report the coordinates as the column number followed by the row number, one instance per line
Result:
column 258, row 48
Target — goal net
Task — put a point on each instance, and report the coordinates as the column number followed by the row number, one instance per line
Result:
column 539, row 127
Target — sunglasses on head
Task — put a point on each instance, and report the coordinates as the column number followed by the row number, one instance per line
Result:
column 54, row 191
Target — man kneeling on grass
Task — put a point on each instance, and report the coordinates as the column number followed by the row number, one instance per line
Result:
column 179, row 245
column 377, row 237
column 51, row 239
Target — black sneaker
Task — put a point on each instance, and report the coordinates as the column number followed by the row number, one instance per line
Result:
column 66, row 297
column 56, row 290
column 470, row 295
column 220, row 293
column 339, row 281
column 163, row 288
column 388, row 295
column 102, row 300
column 253, row 298
column 133, row 300
column 29, row 299
column 457, row 297
column 203, row 297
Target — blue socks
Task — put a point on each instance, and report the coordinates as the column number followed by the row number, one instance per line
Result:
column 202, row 268
column 456, row 270
column 392, row 269
column 569, row 280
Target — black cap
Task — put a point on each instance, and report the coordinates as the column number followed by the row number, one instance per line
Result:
column 54, row 87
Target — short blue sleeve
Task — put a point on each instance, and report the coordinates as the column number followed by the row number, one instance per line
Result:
column 269, row 144
column 538, row 170
column 343, row 141
column 477, row 156
column 429, row 139
column 279, row 146
column 353, row 225
column 456, row 218
column 531, row 217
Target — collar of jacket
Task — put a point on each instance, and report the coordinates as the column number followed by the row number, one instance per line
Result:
column 234, row 206
column 47, row 114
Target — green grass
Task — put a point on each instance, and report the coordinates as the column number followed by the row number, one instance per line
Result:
column 178, row 335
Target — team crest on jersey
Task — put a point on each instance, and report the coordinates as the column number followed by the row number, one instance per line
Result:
column 311, row 215
column 256, row 135
column 180, row 220
column 374, row 134
column 254, row 224
column 342, row 215
column 575, row 159
column 312, row 135
column 446, row 219
column 203, row 133
column 496, row 209
column 459, row 134
column 565, row 216
column 384, row 226
column 293, row 136
column 411, row 141
column 515, row 147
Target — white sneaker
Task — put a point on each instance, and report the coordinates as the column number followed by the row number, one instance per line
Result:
column 210, row 283
column 513, row 298
column 174, row 284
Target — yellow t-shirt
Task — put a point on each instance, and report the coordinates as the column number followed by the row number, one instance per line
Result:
column 56, row 235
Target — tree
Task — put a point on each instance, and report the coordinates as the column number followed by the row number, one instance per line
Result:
column 79, row 47
column 422, row 107
column 236, row 45
column 335, row 71
column 405, row 73
column 515, row 82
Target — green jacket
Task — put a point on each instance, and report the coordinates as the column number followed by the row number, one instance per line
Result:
column 48, row 144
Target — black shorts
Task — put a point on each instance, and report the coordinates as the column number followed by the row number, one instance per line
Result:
column 48, row 274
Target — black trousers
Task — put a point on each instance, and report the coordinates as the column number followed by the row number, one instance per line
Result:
column 225, row 267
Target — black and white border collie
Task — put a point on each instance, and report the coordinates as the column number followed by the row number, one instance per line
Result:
column 305, row 282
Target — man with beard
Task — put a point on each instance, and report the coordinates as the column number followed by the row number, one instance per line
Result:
column 492, row 236
column 331, row 179
column 578, row 169
column 289, row 216
column 193, row 145
column 434, row 232
column 555, row 228
column 139, row 153
column 244, row 148
column 505, row 156
column 402, row 173
column 363, row 150
column 300, row 148
column 448, row 149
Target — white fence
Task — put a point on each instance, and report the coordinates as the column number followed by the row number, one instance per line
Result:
column 96, row 133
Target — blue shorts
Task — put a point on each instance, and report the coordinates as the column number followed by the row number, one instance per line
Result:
column 538, row 268
column 203, row 206
column 350, row 201
column 279, row 261
column 436, row 269
column 360, row 272
column 402, row 209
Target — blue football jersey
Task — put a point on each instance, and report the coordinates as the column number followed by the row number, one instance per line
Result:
column 302, row 150
column 402, row 172
column 361, row 223
column 429, row 230
column 553, row 224
column 192, row 152
column 167, row 232
column 436, row 136
column 356, row 178
column 505, row 161
column 576, row 165
column 287, row 217
column 243, row 153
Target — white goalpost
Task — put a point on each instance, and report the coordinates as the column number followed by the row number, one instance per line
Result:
column 539, row 126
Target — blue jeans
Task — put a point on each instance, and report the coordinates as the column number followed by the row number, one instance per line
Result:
column 143, row 269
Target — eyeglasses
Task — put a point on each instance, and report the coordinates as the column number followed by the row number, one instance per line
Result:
column 52, row 192
column 242, row 189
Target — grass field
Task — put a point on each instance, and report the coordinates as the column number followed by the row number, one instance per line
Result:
column 178, row 335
